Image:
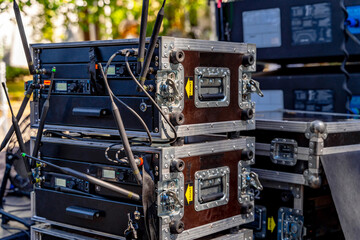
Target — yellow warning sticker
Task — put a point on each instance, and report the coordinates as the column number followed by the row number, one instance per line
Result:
column 189, row 88
column 271, row 224
column 189, row 194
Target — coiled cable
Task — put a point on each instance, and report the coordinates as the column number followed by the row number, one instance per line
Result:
column 346, row 57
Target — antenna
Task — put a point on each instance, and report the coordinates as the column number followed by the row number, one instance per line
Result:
column 23, row 38
column 114, row 188
column 142, row 37
column 44, row 112
column 18, row 134
column 152, row 44
column 26, row 99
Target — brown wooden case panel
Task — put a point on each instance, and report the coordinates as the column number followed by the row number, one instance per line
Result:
column 194, row 115
column 193, row 218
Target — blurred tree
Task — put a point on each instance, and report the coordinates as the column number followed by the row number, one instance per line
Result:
column 110, row 19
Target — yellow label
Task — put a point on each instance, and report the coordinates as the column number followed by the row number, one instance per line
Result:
column 271, row 224
column 189, row 193
column 189, row 88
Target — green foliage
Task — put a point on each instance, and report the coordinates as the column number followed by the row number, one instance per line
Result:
column 16, row 90
column 106, row 15
column 12, row 73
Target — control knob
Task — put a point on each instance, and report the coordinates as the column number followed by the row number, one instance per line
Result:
column 73, row 87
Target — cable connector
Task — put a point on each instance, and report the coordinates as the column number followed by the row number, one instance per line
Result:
column 45, row 71
column 352, row 22
column 131, row 51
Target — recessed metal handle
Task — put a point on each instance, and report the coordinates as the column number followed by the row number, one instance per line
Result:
column 84, row 213
column 89, row 112
column 212, row 197
column 212, row 97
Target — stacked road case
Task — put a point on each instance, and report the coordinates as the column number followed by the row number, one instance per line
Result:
column 198, row 186
column 291, row 150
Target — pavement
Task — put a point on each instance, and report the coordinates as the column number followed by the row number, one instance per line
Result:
column 20, row 207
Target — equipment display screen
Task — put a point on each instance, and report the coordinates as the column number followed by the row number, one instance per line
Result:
column 61, row 86
column 262, row 27
column 60, row 182
column 108, row 173
column 111, row 70
column 354, row 14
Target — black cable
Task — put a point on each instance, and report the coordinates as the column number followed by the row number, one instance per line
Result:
column 118, row 160
column 122, row 132
column 352, row 37
column 82, row 137
column 14, row 228
column 107, row 155
column 16, row 205
column 72, row 137
column 88, row 139
column 110, row 60
column 124, row 104
column 152, row 44
column 346, row 57
column 19, row 210
column 138, row 117
column 151, row 99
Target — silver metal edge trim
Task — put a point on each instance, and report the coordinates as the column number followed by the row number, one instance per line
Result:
column 213, row 46
column 263, row 149
column 87, row 43
column 340, row 149
column 183, row 130
column 47, row 230
column 43, row 220
column 280, row 176
column 281, row 185
column 215, row 127
column 32, row 203
column 243, row 234
column 188, row 150
column 180, row 43
column 297, row 126
column 208, row 229
column 214, row 147
column 287, row 126
column 340, row 127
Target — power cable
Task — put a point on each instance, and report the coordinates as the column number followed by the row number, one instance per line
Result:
column 120, row 52
column 151, row 99
column 122, row 132
column 346, row 57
